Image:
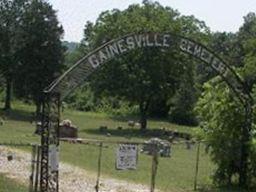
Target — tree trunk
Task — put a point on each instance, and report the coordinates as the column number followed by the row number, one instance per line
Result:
column 143, row 115
column 143, row 121
column 38, row 110
column 8, row 94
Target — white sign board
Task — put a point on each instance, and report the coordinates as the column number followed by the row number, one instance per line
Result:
column 126, row 156
column 53, row 158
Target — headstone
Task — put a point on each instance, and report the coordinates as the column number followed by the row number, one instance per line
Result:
column 163, row 147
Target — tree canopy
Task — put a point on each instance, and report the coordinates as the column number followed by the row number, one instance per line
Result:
column 145, row 75
column 31, row 48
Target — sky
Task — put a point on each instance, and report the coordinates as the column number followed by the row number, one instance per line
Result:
column 219, row 15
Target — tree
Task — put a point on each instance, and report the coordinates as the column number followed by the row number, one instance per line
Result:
column 10, row 14
column 222, row 118
column 247, row 36
column 183, row 102
column 40, row 52
column 141, row 76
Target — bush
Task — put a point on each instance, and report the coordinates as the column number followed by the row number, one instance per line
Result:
column 222, row 121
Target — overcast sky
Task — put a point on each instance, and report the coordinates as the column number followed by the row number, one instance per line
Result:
column 219, row 15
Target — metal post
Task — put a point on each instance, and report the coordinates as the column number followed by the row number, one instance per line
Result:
column 99, row 169
column 32, row 176
column 50, row 136
column 37, row 168
column 197, row 165
column 44, row 144
column 154, row 168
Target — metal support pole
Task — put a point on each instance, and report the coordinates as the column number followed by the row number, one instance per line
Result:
column 197, row 165
column 99, row 169
column 50, row 136
column 154, row 168
column 32, row 176
column 37, row 168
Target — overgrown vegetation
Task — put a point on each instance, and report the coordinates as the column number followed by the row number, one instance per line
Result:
column 222, row 119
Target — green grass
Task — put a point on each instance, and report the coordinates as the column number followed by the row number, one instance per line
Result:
column 7, row 185
column 174, row 174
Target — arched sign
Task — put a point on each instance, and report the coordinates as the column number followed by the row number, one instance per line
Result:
column 112, row 49
column 78, row 73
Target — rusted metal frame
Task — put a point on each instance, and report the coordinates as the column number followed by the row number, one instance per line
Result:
column 69, row 75
column 49, row 136
column 44, row 144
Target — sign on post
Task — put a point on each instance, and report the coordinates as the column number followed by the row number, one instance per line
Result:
column 53, row 158
column 126, row 156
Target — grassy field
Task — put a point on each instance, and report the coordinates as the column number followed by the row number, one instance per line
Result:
column 174, row 174
column 7, row 185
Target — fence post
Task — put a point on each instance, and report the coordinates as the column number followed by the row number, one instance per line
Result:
column 154, row 167
column 197, row 165
column 99, row 169
column 31, row 178
column 37, row 167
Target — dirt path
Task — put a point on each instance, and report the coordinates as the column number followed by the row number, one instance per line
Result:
column 72, row 178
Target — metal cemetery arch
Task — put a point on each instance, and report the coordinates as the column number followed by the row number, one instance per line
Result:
column 78, row 73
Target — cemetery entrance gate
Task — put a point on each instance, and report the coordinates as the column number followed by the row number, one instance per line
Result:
column 79, row 73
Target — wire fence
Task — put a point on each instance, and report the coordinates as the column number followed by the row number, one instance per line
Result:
column 188, row 168
column 96, row 166
column 19, row 167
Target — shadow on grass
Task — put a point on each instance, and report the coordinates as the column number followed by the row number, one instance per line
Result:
column 133, row 132
column 17, row 115
column 135, row 118
column 224, row 189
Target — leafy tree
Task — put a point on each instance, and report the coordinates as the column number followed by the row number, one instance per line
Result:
column 141, row 76
column 10, row 14
column 222, row 118
column 183, row 102
column 40, row 51
column 247, row 36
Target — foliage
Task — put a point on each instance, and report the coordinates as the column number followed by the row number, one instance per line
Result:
column 40, row 51
column 70, row 46
column 31, row 53
column 222, row 121
column 247, row 36
column 140, row 76
column 84, row 99
column 10, row 14
column 183, row 102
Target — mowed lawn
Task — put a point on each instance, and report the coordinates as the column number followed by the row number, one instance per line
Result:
column 176, row 173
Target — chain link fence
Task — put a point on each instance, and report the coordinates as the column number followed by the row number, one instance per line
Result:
column 189, row 167
column 93, row 167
